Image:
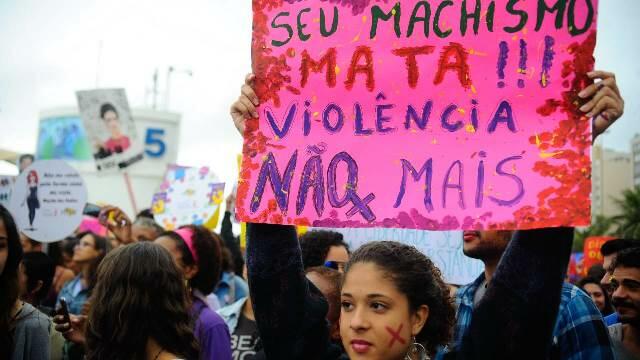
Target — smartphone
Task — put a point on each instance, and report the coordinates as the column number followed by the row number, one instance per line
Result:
column 64, row 311
column 92, row 210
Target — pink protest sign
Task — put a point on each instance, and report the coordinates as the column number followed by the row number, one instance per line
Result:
column 434, row 115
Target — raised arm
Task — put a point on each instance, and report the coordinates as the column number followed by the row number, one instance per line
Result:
column 515, row 319
column 289, row 312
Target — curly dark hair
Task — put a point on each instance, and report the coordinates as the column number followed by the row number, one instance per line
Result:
column 9, row 281
column 608, row 307
column 140, row 295
column 316, row 244
column 414, row 275
column 208, row 248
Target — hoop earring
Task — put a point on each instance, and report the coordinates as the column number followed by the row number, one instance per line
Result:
column 416, row 351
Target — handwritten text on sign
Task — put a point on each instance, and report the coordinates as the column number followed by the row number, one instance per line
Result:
column 419, row 114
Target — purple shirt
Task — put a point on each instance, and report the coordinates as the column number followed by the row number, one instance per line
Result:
column 211, row 331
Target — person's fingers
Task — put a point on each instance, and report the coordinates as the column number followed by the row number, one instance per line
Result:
column 599, row 74
column 240, row 111
column 63, row 327
column 596, row 98
column 604, row 103
column 605, row 75
column 249, row 79
column 592, row 89
column 249, row 105
column 249, row 93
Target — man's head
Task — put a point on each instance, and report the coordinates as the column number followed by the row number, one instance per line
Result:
column 486, row 245
column 145, row 229
column 625, row 283
column 609, row 250
column 320, row 246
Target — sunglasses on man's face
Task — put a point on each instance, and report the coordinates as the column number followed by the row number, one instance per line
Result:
column 335, row 265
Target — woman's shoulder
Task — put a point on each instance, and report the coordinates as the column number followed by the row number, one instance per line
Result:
column 206, row 316
column 31, row 319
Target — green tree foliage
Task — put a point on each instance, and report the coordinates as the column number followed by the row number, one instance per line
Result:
column 628, row 221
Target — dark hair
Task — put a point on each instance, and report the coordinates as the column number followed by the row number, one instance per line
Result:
column 608, row 308
column 629, row 258
column 596, row 271
column 54, row 250
column 38, row 267
column 32, row 242
column 26, row 156
column 9, row 281
column 616, row 245
column 316, row 244
column 227, row 260
column 140, row 295
column 415, row 276
column 145, row 213
column 207, row 246
column 334, row 278
column 107, row 107
column 149, row 223
column 101, row 244
column 69, row 244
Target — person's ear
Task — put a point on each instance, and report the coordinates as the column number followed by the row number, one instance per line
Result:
column 37, row 288
column 418, row 319
column 190, row 271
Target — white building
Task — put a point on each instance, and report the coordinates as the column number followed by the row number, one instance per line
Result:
column 611, row 174
column 635, row 156
column 61, row 136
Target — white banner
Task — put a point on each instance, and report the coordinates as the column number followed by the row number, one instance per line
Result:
column 444, row 248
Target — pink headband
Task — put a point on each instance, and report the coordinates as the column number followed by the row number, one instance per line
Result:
column 187, row 235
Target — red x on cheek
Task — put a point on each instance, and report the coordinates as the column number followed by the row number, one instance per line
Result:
column 395, row 335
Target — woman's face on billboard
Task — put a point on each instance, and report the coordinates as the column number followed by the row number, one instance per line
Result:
column 112, row 122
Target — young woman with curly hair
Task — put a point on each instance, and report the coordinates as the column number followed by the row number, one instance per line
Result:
column 140, row 308
column 198, row 256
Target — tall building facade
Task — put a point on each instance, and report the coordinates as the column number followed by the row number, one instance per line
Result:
column 612, row 172
column 635, row 156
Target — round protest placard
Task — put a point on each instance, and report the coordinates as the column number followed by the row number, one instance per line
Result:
column 188, row 195
column 48, row 199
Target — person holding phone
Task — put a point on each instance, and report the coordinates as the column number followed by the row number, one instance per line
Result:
column 24, row 331
column 87, row 254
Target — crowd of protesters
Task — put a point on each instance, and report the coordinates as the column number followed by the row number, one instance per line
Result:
column 141, row 292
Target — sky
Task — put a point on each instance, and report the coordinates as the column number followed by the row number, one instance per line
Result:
column 49, row 49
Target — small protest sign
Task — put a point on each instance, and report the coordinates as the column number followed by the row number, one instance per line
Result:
column 436, row 115
column 48, row 199
column 188, row 195
column 110, row 128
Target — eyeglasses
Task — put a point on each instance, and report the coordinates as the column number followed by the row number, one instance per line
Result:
column 335, row 265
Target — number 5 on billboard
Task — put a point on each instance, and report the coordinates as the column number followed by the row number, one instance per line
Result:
column 154, row 139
